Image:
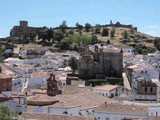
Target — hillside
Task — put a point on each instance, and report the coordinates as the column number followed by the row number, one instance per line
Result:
column 134, row 37
column 69, row 38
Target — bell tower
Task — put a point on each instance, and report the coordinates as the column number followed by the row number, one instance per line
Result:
column 52, row 88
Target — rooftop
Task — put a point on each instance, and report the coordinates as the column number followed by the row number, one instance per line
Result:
column 4, row 76
column 106, row 87
column 47, row 116
column 84, row 100
column 129, row 109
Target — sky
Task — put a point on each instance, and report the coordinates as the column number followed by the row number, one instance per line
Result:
column 144, row 14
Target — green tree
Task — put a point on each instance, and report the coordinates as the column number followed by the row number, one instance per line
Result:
column 88, row 27
column 1, row 53
column 73, row 64
column 63, row 26
column 108, row 42
column 157, row 43
column 32, row 36
column 94, row 39
column 49, row 34
column 6, row 113
column 105, row 32
column 112, row 33
column 125, row 35
column 97, row 28
column 79, row 26
column 58, row 36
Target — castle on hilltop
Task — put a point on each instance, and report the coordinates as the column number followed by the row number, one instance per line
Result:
column 100, row 62
column 23, row 30
column 118, row 24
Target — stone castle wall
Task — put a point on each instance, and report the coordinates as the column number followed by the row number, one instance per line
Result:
column 101, row 63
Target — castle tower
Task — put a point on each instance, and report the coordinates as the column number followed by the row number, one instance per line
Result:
column 23, row 24
column 52, row 88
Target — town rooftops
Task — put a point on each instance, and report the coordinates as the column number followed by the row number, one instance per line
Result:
column 47, row 116
column 128, row 109
column 85, row 99
column 106, row 87
column 4, row 76
column 13, row 59
column 41, row 100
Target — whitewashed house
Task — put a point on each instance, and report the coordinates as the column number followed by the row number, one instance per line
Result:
column 15, row 100
column 19, row 83
column 111, row 90
column 143, row 70
column 16, row 61
column 79, row 104
column 37, row 78
column 120, row 112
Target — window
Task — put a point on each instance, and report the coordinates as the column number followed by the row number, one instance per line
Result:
column 106, row 94
column 151, row 89
column 141, row 71
column 145, row 89
column 116, row 90
column 98, row 117
column 107, row 118
column 146, row 72
column 156, row 113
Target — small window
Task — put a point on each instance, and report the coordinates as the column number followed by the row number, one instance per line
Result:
column 145, row 89
column 151, row 89
column 146, row 72
column 106, row 94
column 141, row 71
column 98, row 117
column 156, row 113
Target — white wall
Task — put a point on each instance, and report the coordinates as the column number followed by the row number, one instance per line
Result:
column 17, row 104
column 120, row 90
column 35, row 82
column 71, row 111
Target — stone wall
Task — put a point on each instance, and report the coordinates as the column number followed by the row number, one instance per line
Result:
column 101, row 63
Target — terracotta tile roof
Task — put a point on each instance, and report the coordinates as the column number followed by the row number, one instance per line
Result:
column 63, row 105
column 85, row 99
column 41, row 98
column 122, row 108
column 106, row 87
column 4, row 76
column 47, row 116
column 30, row 108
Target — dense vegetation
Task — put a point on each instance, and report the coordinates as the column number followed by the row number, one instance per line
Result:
column 7, row 114
column 107, row 80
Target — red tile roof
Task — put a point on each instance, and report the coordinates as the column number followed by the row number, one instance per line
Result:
column 47, row 116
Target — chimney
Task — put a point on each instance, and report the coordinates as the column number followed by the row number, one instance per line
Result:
column 0, row 69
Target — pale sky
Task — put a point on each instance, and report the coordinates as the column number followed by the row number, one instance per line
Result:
column 144, row 14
